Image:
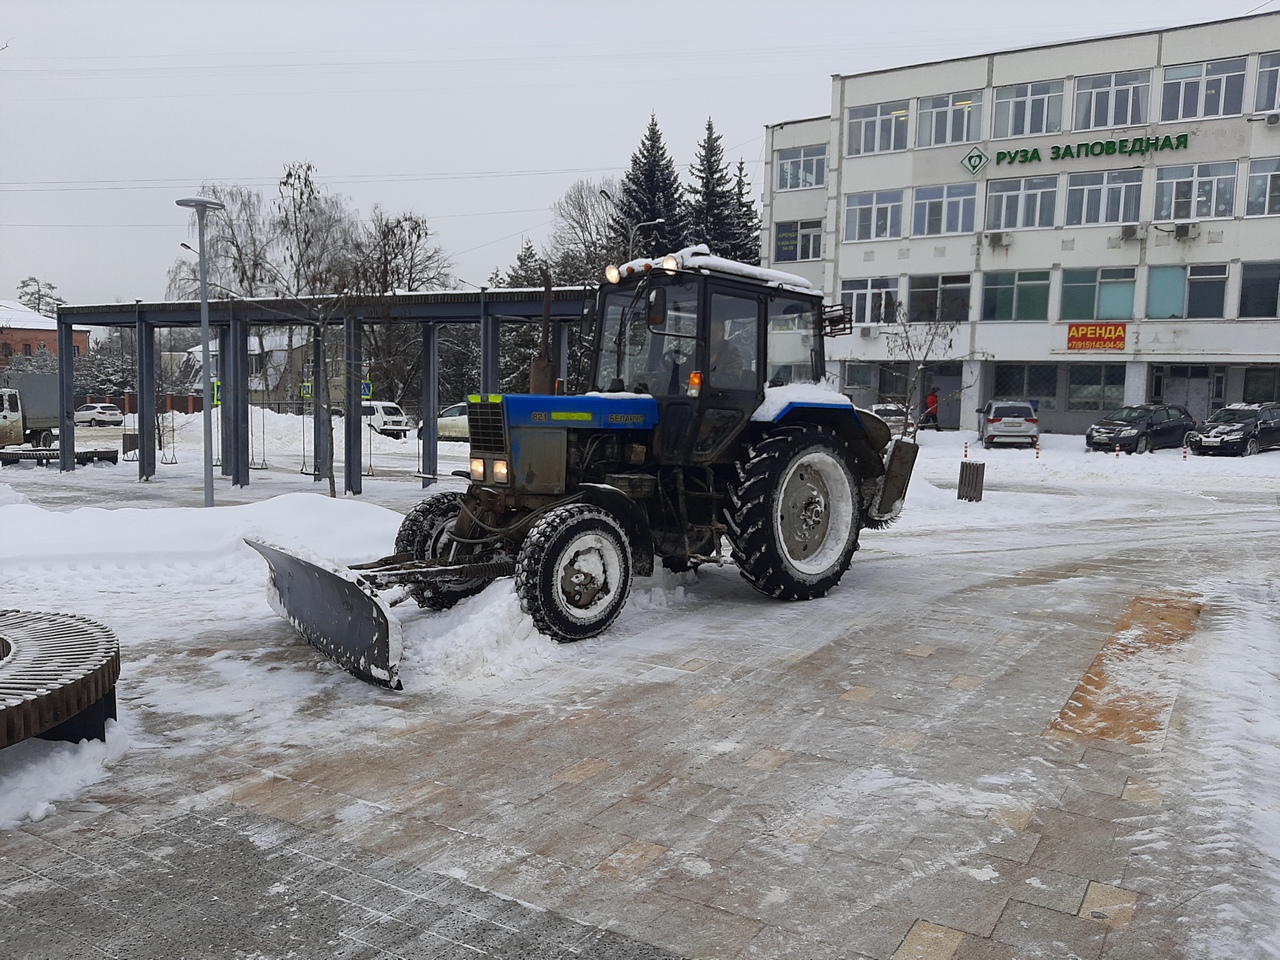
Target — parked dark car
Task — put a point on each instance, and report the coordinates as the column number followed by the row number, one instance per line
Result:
column 1141, row 427
column 1239, row 429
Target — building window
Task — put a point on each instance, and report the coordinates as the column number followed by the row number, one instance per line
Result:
column 1024, row 202
column 797, row 240
column 954, row 118
column 1028, row 381
column 75, row 350
column 6, row 350
column 1197, row 190
column 946, row 209
column 940, row 299
column 802, row 167
column 1095, row 386
column 1214, row 89
column 1024, row 109
column 1114, row 197
column 1259, row 289
column 858, row 376
column 1264, row 188
column 895, row 381
column 1105, row 294
column 873, row 216
column 257, row 362
column 874, row 300
column 1112, row 100
column 879, row 128
column 1261, row 385
column 26, row 349
column 1178, row 292
column 1016, row 295
column 1268, row 97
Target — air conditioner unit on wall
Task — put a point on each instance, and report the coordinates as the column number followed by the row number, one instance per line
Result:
column 1133, row 231
column 1186, row 231
column 865, row 331
column 1273, row 119
column 999, row 238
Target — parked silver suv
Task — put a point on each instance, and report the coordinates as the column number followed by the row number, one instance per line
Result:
column 1008, row 421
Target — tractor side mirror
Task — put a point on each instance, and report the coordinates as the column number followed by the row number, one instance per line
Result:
column 656, row 315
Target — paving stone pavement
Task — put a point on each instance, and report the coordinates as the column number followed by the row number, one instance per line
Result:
column 898, row 772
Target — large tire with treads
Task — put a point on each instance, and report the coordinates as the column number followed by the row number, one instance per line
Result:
column 426, row 533
column 573, row 574
column 794, row 514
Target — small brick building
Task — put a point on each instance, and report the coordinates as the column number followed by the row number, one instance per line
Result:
column 23, row 332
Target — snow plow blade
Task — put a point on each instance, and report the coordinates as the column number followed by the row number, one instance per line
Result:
column 337, row 612
column 893, row 490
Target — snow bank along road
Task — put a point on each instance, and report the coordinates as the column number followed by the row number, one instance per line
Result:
column 1042, row 725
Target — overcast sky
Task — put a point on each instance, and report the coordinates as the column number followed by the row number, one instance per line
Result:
column 477, row 115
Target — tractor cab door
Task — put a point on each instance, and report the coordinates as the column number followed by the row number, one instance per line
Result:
column 732, row 358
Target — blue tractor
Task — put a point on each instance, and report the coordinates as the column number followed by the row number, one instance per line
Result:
column 707, row 423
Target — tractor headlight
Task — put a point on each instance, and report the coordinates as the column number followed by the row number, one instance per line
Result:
column 671, row 263
column 477, row 470
column 499, row 471
column 612, row 274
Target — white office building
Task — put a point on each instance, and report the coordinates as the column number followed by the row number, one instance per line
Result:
column 1099, row 220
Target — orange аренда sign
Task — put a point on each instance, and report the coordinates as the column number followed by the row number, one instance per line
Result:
column 1096, row 336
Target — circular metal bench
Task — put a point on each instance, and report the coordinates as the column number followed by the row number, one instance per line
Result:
column 58, row 675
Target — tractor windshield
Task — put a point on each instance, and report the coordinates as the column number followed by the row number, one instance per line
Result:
column 648, row 336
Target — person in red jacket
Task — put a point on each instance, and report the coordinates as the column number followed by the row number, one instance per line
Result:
column 931, row 409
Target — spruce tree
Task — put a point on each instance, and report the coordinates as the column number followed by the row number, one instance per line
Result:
column 712, row 203
column 650, row 190
column 745, row 232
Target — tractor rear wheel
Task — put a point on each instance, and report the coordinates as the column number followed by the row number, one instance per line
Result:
column 426, row 533
column 794, row 513
column 573, row 574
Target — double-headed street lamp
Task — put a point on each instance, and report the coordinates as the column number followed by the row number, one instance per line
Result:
column 631, row 242
column 631, row 235
column 203, row 205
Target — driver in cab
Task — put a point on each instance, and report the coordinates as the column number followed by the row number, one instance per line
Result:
column 727, row 368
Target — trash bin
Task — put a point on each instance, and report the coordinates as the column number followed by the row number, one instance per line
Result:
column 971, row 474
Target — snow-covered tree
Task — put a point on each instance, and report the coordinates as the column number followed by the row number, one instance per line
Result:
column 40, row 296
column 519, row 343
column 650, row 190
column 581, row 245
column 712, row 203
column 744, row 221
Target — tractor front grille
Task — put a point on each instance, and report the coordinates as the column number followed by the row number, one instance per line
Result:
column 485, row 424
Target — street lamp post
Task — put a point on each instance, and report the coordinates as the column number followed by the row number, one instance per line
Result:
column 631, row 236
column 631, row 242
column 203, row 205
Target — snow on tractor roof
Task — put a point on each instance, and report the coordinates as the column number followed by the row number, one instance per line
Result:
column 700, row 258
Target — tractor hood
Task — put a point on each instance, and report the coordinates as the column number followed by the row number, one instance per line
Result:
column 612, row 411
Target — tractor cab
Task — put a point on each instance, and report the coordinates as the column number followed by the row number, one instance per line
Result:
column 703, row 336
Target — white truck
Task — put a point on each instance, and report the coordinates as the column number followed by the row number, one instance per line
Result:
column 28, row 409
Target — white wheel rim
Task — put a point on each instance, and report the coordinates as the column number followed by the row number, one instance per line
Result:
column 813, row 513
column 587, row 573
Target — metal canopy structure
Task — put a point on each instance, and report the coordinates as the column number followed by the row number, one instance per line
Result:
column 232, row 319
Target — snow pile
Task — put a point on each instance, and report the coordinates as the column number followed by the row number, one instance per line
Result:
column 38, row 774
column 10, row 495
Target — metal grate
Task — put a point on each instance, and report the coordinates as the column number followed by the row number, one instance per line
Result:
column 486, row 426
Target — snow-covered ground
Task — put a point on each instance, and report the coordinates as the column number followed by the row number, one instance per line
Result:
column 147, row 561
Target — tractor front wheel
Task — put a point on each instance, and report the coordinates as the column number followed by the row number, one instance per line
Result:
column 573, row 574
column 427, row 534
column 794, row 514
